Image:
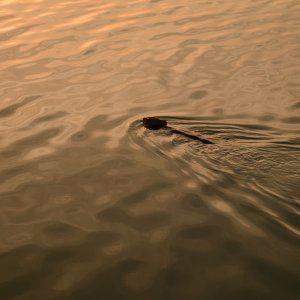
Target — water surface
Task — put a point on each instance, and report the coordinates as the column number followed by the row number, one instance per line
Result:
column 93, row 205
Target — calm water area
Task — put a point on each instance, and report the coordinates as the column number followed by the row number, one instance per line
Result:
column 95, row 206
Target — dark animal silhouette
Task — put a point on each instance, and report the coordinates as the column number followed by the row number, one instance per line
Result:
column 155, row 124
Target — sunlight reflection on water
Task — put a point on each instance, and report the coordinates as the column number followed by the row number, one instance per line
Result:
column 94, row 205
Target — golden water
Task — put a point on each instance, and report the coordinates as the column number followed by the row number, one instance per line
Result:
column 94, row 206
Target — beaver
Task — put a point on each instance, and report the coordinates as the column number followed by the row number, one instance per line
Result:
column 153, row 123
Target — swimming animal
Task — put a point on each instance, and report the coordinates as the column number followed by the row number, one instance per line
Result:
column 153, row 123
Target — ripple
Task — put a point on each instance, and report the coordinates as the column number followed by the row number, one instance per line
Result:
column 198, row 94
column 145, row 222
column 12, row 109
column 93, row 205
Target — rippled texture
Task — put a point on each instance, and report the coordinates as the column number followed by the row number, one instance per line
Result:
column 93, row 205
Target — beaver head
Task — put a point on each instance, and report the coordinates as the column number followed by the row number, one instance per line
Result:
column 154, row 123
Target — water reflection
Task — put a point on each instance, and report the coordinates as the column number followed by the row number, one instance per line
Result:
column 93, row 205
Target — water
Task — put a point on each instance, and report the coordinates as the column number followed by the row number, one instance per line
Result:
column 94, row 206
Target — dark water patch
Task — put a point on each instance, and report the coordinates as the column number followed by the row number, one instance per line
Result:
column 59, row 230
column 79, row 136
column 102, row 238
column 193, row 202
column 143, row 194
column 143, row 222
column 288, row 282
column 198, row 94
column 91, row 245
column 165, row 35
column 197, row 19
column 60, row 255
column 9, row 291
column 102, row 122
column 173, row 10
column 126, row 31
column 89, row 51
column 109, row 283
column 270, row 225
column 49, row 117
column 27, row 254
column 198, row 232
column 266, row 118
column 28, row 143
column 24, row 278
column 292, row 144
column 12, row 109
column 295, row 106
column 6, row 17
column 15, row 32
column 292, row 120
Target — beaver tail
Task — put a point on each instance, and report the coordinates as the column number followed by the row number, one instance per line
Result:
column 191, row 136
